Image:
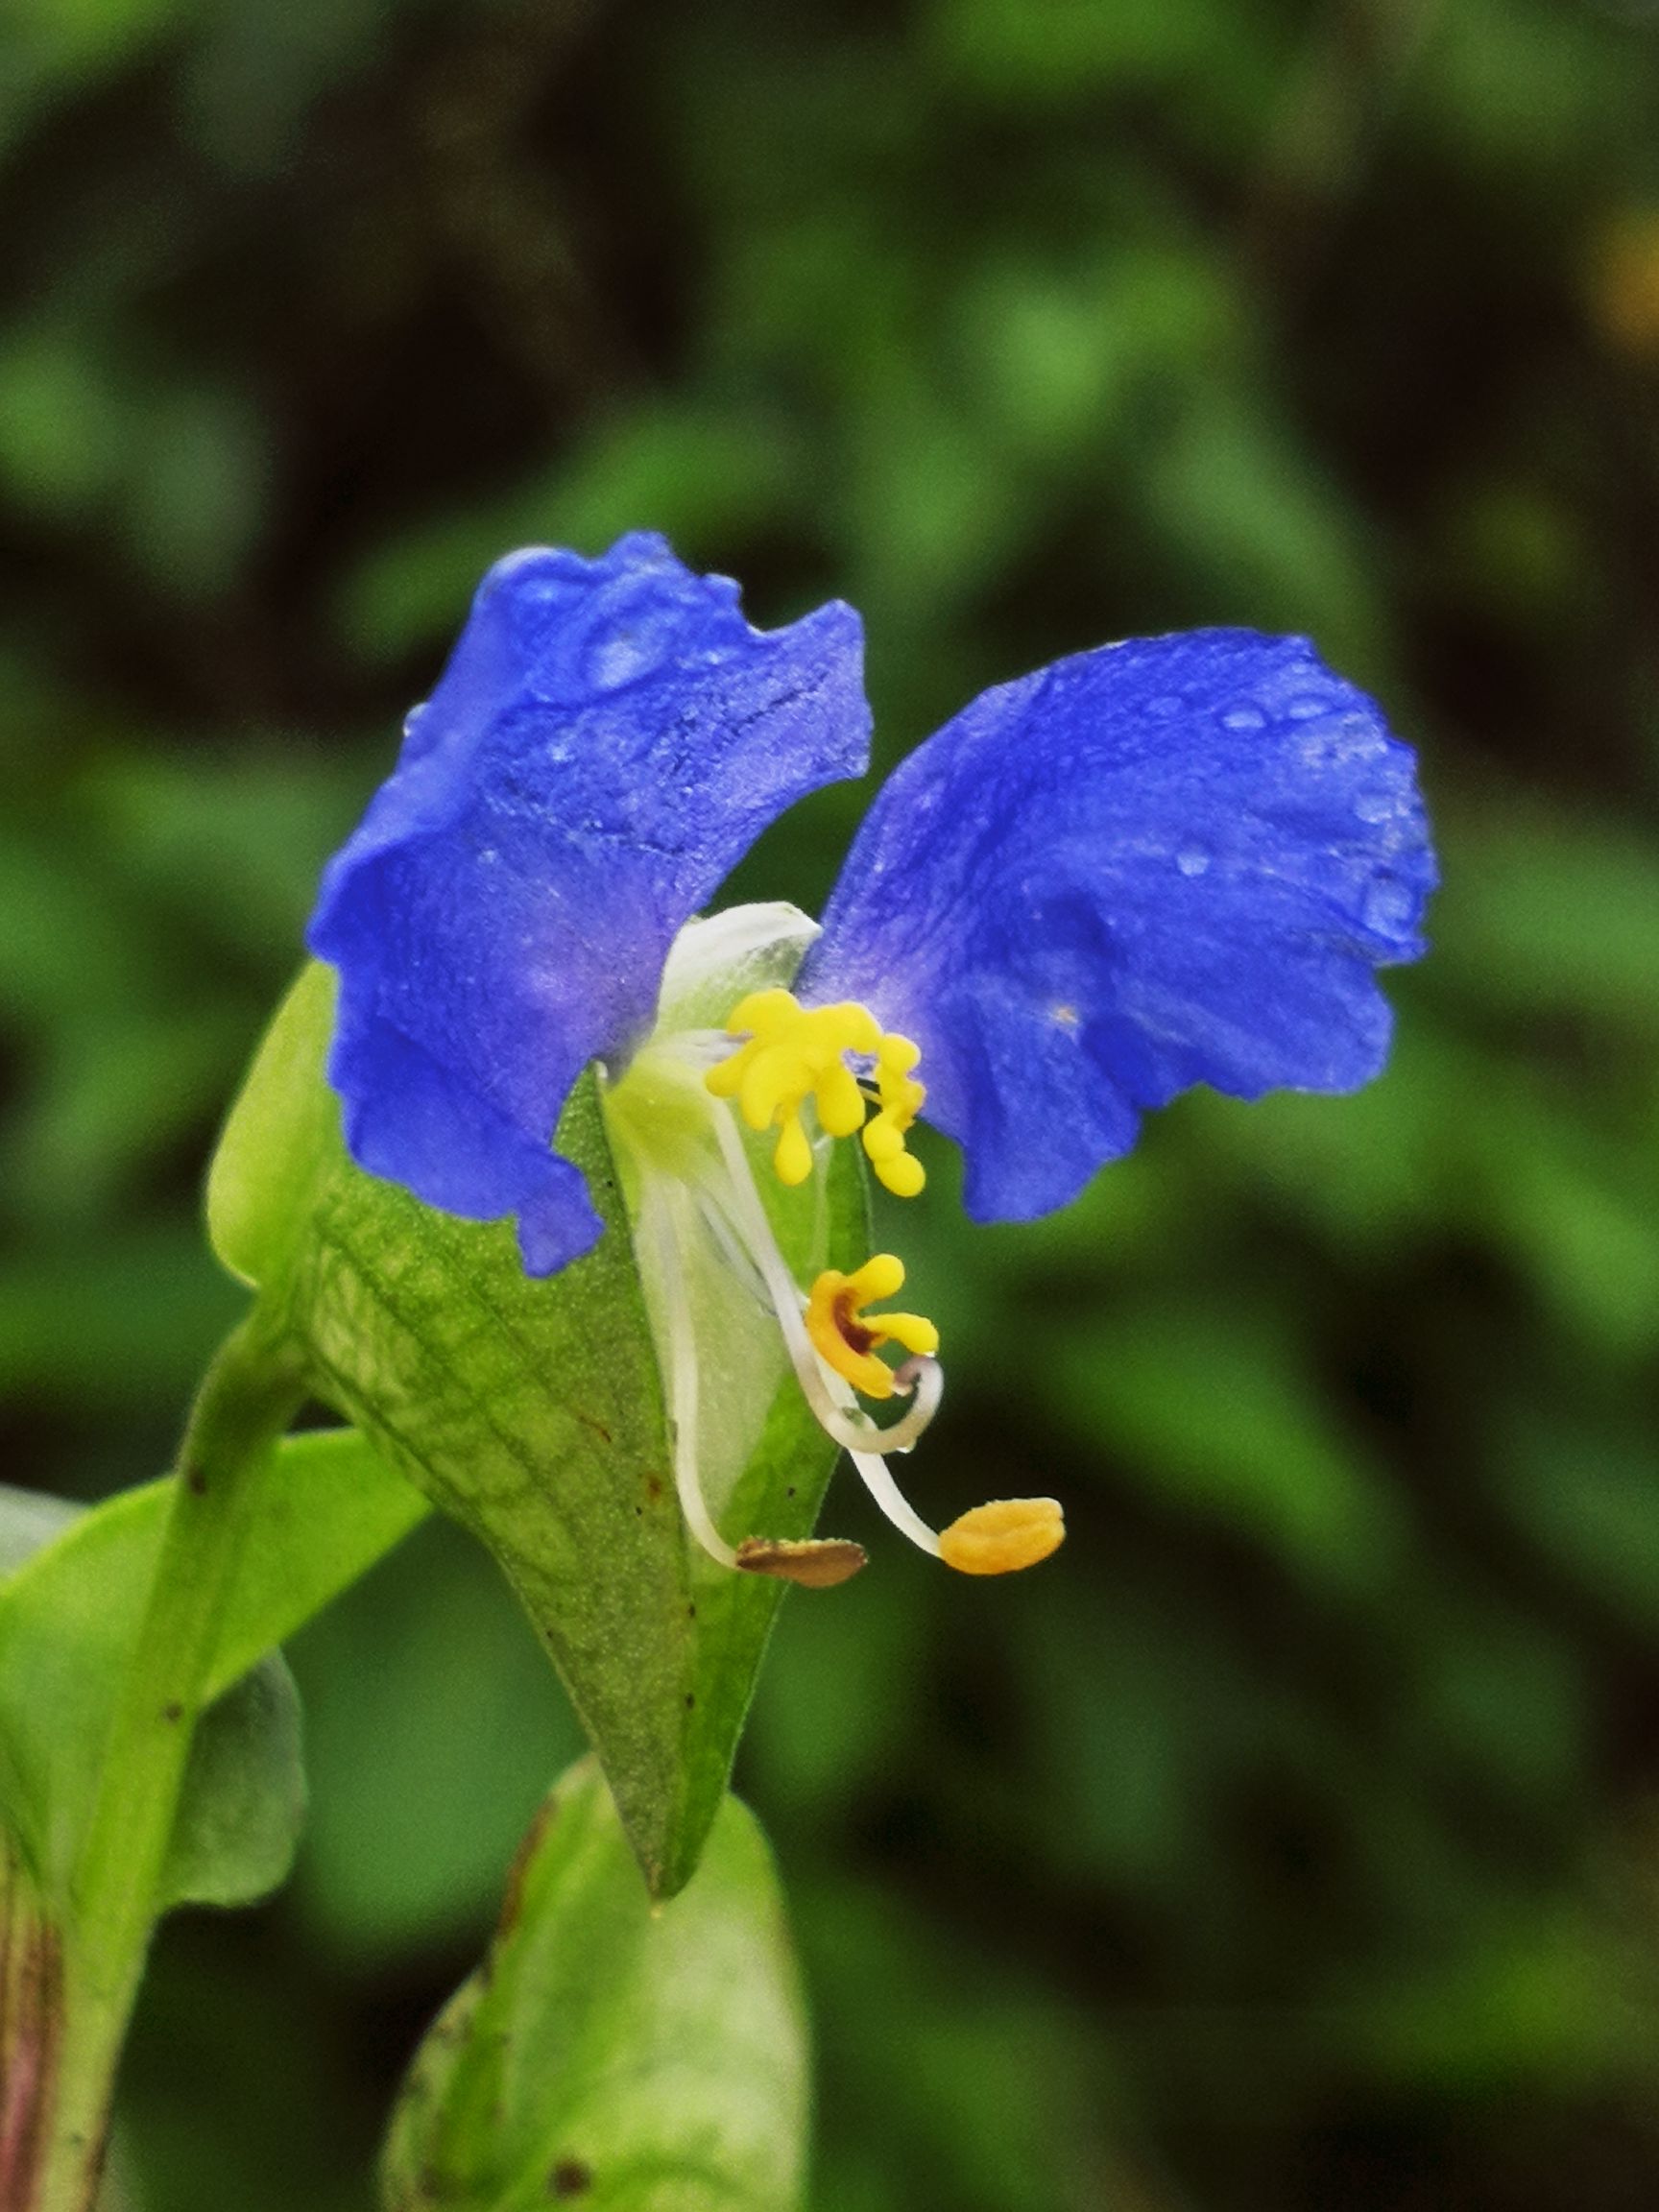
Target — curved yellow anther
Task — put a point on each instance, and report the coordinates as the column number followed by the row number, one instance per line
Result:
column 849, row 1339
column 1005, row 1536
column 793, row 1157
column 790, row 1053
column 899, row 1102
column 840, row 1101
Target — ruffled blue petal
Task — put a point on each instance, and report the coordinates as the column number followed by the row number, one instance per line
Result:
column 609, row 738
column 1173, row 861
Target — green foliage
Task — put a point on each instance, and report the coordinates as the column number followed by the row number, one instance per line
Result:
column 633, row 2056
column 320, row 1510
column 1284, row 1843
column 67, row 1624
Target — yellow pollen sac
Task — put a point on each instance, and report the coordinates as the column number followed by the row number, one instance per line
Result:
column 849, row 1339
column 790, row 1054
column 1005, row 1536
column 900, row 1100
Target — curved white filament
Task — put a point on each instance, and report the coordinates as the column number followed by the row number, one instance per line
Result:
column 853, row 1430
column 879, row 1481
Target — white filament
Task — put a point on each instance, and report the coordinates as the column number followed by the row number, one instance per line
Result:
column 655, row 1218
column 879, row 1481
column 855, row 1432
column 829, row 1395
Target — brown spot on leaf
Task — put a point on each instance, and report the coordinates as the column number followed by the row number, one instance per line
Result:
column 513, row 1903
column 570, row 2177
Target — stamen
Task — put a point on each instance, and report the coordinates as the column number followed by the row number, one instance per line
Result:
column 1005, row 1536
column 924, row 1379
column 849, row 1339
column 855, row 1432
column 999, row 1538
column 879, row 1481
column 789, row 1054
column 996, row 1539
column 814, row 1562
column 793, row 1158
column 731, row 1252
column 901, row 1099
column 683, row 1384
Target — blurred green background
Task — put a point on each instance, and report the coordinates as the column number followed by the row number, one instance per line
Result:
column 1291, row 1841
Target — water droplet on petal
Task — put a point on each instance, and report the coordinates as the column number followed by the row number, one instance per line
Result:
column 618, row 658
column 1374, row 806
column 1193, row 859
column 1243, row 718
column 1307, row 706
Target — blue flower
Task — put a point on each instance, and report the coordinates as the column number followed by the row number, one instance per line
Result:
column 1172, row 861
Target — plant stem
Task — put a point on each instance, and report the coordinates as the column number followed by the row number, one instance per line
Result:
column 246, row 1401
column 31, row 2020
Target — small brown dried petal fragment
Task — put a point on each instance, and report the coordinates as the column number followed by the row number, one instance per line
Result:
column 817, row 1563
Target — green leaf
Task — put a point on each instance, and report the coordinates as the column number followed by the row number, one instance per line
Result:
column 630, row 2056
column 532, row 1411
column 281, row 1144
column 67, row 1624
column 242, row 1803
column 320, row 1510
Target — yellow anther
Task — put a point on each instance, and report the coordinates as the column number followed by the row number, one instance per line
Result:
column 849, row 1339
column 881, row 1276
column 793, row 1158
column 899, row 1102
column 905, row 1177
column 840, row 1101
column 1005, row 1536
column 790, row 1053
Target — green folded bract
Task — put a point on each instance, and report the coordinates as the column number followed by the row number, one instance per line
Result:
column 533, row 1412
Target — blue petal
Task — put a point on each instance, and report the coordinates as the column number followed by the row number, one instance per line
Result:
column 1173, row 861
column 609, row 738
